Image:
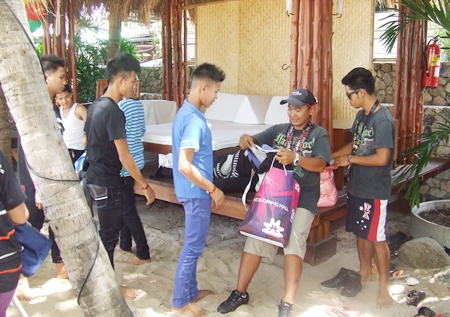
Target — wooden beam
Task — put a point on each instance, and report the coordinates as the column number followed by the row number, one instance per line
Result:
column 193, row 6
column 294, row 43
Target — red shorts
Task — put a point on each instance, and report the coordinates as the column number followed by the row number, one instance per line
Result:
column 366, row 218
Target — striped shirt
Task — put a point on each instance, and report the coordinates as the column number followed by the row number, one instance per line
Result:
column 135, row 128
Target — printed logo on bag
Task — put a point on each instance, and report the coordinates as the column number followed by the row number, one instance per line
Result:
column 273, row 228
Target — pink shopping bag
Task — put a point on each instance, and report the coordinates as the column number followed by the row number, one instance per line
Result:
column 328, row 191
column 272, row 211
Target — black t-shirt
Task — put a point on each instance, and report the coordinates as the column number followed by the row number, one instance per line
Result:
column 105, row 123
column 11, row 196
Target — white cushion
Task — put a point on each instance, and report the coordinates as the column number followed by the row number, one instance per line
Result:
column 253, row 109
column 276, row 113
column 225, row 107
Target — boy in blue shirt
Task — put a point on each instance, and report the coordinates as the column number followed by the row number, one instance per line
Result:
column 192, row 173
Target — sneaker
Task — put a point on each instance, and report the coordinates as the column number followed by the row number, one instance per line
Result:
column 352, row 286
column 235, row 300
column 337, row 281
column 285, row 309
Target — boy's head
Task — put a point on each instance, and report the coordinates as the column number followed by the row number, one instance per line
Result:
column 54, row 72
column 64, row 98
column 206, row 80
column 121, row 73
column 360, row 78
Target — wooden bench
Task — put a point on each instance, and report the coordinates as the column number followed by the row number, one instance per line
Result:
column 321, row 243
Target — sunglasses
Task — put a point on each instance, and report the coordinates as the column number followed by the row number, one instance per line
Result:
column 349, row 94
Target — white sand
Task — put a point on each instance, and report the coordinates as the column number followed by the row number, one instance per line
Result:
column 218, row 269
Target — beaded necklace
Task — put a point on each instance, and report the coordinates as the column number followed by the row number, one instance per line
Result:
column 304, row 133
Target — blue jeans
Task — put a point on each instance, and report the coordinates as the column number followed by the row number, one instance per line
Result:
column 197, row 217
column 132, row 225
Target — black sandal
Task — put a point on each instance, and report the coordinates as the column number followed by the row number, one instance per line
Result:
column 425, row 311
column 414, row 297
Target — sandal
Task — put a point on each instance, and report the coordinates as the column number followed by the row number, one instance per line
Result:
column 398, row 275
column 425, row 311
column 414, row 297
column 342, row 311
column 411, row 281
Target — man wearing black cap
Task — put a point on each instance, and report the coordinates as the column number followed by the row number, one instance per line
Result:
column 306, row 147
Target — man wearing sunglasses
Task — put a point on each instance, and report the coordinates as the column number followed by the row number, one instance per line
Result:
column 369, row 157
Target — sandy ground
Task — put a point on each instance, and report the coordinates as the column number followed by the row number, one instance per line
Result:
column 218, row 269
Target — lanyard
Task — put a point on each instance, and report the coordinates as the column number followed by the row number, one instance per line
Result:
column 301, row 138
column 358, row 133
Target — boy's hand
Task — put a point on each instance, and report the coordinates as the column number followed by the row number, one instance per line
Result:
column 149, row 194
column 38, row 201
column 218, row 198
column 341, row 161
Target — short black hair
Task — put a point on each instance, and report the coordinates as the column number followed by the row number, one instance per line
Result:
column 67, row 89
column 121, row 65
column 51, row 63
column 360, row 78
column 208, row 72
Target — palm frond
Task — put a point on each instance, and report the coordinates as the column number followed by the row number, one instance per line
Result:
column 415, row 10
column 426, row 145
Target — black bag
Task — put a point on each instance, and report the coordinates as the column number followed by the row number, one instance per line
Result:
column 231, row 165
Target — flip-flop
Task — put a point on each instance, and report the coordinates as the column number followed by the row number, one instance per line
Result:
column 411, row 281
column 398, row 275
column 342, row 311
column 425, row 311
column 414, row 297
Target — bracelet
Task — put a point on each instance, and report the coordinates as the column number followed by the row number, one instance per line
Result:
column 349, row 159
column 212, row 192
column 146, row 187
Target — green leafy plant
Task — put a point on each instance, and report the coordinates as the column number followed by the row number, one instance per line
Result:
column 416, row 10
column 423, row 151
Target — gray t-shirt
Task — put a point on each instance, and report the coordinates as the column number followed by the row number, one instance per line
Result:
column 317, row 144
column 372, row 182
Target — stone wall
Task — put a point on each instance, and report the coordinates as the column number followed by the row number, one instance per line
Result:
column 437, row 187
column 385, row 83
column 151, row 80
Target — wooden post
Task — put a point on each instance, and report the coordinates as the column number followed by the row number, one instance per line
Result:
column 316, row 74
column 294, row 43
column 304, row 67
column 185, row 51
column 72, row 57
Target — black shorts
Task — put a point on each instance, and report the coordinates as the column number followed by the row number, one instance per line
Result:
column 366, row 218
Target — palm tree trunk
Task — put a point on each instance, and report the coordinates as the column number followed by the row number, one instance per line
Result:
column 5, row 129
column 115, row 27
column 51, row 169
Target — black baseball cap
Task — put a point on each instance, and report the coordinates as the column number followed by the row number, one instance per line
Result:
column 300, row 97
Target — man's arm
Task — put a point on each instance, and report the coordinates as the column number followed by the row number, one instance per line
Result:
column 81, row 112
column 194, row 176
column 19, row 214
column 380, row 158
column 312, row 164
column 345, row 150
column 130, row 165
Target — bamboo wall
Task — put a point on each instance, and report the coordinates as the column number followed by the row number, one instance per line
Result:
column 352, row 47
column 250, row 40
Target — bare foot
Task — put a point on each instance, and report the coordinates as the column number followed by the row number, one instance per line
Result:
column 202, row 293
column 384, row 299
column 136, row 261
column 132, row 294
column 24, row 292
column 190, row 310
column 61, row 271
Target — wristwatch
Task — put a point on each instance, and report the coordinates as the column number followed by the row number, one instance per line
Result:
column 297, row 159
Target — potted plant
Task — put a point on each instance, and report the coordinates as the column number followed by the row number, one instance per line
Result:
column 426, row 142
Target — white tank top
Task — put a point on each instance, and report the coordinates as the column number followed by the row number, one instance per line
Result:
column 73, row 129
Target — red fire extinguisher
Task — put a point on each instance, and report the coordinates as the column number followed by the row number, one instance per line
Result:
column 432, row 65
